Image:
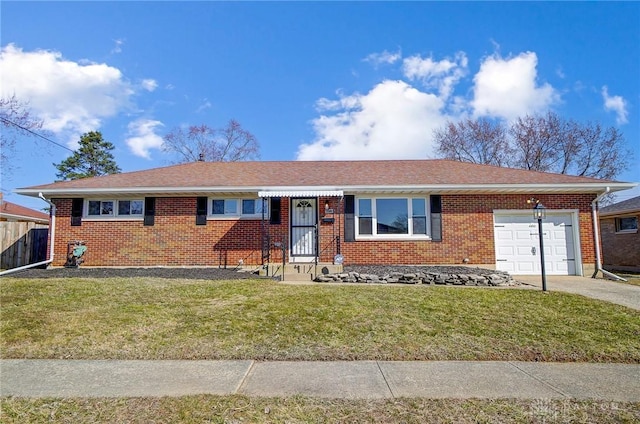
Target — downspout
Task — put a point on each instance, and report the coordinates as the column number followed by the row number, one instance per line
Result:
column 596, row 236
column 52, row 232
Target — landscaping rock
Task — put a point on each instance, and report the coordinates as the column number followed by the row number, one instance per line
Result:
column 443, row 275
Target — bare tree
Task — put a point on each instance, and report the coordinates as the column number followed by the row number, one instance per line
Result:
column 538, row 142
column 475, row 141
column 602, row 152
column 231, row 143
column 15, row 120
column 545, row 143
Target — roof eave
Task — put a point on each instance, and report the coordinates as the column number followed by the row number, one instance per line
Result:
column 24, row 218
column 432, row 188
column 629, row 211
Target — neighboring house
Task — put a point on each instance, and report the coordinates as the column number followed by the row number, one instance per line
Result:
column 10, row 212
column 23, row 235
column 620, row 236
column 359, row 212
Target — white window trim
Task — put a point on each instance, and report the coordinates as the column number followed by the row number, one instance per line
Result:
column 238, row 214
column 374, row 223
column 113, row 217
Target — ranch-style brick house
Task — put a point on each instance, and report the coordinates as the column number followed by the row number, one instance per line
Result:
column 353, row 212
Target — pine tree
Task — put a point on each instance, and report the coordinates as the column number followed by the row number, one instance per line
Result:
column 92, row 158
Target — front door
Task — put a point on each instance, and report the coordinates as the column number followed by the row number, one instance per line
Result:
column 304, row 220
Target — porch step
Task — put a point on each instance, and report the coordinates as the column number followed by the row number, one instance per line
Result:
column 299, row 271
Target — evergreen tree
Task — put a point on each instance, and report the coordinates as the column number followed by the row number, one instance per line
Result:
column 92, row 158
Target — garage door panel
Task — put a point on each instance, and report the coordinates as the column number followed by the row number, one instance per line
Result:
column 506, row 250
column 523, row 250
column 525, row 267
column 517, row 244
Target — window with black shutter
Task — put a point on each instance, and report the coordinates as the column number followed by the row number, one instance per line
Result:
column 274, row 213
column 149, row 211
column 201, row 211
column 436, row 218
column 76, row 212
column 349, row 219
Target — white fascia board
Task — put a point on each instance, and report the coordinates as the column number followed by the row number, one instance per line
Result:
column 497, row 188
column 24, row 218
column 439, row 188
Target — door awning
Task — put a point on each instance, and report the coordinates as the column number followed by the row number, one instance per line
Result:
column 301, row 193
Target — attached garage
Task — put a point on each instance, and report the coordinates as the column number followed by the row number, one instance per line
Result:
column 517, row 243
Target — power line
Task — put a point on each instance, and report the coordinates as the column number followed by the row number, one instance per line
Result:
column 7, row 121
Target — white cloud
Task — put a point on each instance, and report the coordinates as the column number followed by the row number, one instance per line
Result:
column 206, row 104
column 142, row 137
column 149, row 84
column 507, row 88
column 71, row 98
column 118, row 46
column 443, row 74
column 388, row 58
column 616, row 104
column 393, row 121
column 396, row 119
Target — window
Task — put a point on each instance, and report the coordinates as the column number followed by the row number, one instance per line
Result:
column 113, row 208
column 627, row 224
column 419, row 216
column 225, row 207
column 130, row 207
column 365, row 218
column 392, row 217
column 100, row 208
column 252, row 206
column 237, row 208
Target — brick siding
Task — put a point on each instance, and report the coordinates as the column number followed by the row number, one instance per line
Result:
column 175, row 239
column 622, row 250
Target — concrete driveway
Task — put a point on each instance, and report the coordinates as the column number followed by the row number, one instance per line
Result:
column 619, row 293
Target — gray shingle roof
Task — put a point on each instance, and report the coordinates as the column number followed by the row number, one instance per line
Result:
column 630, row 205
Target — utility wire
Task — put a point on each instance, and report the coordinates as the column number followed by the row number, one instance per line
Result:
column 7, row 121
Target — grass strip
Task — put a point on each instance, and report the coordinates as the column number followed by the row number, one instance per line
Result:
column 237, row 409
column 154, row 318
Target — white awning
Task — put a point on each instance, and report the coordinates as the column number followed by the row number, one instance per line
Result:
column 301, row 193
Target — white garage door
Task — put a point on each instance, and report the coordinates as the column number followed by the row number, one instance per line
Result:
column 518, row 244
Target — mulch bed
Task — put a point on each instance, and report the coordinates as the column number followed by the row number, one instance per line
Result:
column 215, row 273
column 161, row 272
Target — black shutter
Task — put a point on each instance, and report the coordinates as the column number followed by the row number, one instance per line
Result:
column 201, row 211
column 436, row 218
column 149, row 211
column 349, row 218
column 76, row 212
column 274, row 213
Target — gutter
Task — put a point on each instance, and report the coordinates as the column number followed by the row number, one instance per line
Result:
column 52, row 238
column 596, row 237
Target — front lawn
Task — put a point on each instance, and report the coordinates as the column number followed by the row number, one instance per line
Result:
column 154, row 318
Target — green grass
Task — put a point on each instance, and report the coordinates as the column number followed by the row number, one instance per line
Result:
column 240, row 409
column 146, row 318
column 632, row 278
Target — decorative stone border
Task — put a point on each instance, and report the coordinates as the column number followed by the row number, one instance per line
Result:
column 495, row 279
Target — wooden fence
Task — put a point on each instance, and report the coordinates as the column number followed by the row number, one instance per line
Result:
column 22, row 243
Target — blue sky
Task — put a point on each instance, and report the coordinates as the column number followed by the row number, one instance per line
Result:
column 329, row 80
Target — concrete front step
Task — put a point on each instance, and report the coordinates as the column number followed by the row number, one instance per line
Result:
column 299, row 271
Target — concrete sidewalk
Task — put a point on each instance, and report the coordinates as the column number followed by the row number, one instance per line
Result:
column 341, row 379
column 610, row 291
